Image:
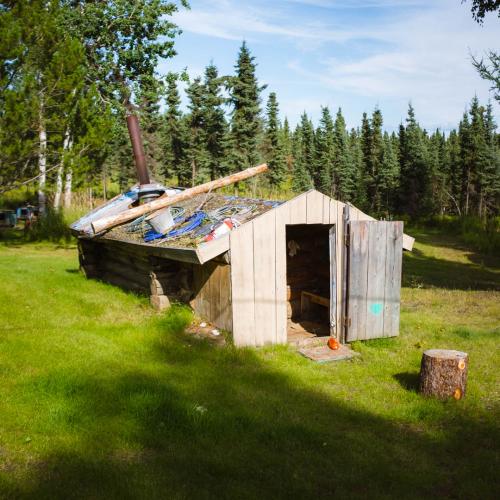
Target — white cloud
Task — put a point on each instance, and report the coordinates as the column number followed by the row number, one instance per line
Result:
column 427, row 62
column 232, row 21
column 418, row 51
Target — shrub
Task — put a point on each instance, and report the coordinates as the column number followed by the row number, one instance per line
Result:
column 482, row 235
column 50, row 227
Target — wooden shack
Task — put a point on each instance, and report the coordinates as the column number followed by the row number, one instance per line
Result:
column 309, row 260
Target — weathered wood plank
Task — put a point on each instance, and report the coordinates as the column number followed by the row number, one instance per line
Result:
column 264, row 241
column 326, row 209
column 298, row 209
column 376, row 279
column 314, row 209
column 225, row 316
column 340, row 271
column 333, row 281
column 211, row 249
column 333, row 211
column 181, row 254
column 282, row 215
column 392, row 292
column 358, row 280
column 242, row 285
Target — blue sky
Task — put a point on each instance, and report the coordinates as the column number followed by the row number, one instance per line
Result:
column 356, row 54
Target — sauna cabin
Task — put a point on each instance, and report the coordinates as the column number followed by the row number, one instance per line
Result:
column 287, row 271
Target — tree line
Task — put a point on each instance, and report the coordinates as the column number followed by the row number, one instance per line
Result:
column 63, row 100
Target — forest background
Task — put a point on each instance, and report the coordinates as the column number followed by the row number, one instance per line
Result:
column 71, row 70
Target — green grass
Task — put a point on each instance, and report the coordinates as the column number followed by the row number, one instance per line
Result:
column 102, row 398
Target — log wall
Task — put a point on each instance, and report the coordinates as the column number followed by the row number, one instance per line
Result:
column 205, row 287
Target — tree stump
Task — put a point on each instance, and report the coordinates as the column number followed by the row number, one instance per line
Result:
column 443, row 373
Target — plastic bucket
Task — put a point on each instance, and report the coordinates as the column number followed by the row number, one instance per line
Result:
column 162, row 221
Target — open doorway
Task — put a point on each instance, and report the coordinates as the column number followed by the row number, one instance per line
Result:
column 308, row 282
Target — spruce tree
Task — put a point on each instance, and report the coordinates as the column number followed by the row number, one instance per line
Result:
column 359, row 197
column 151, row 125
column 490, row 176
column 466, row 161
column 307, row 152
column 196, row 130
column 216, row 128
column 245, row 117
column 274, row 154
column 325, row 152
column 374, row 143
column 344, row 170
column 301, row 180
column 388, row 177
column 452, row 167
column 415, row 194
column 175, row 136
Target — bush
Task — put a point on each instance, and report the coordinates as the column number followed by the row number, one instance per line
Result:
column 482, row 235
column 50, row 227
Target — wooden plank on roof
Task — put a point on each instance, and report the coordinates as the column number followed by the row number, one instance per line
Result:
column 242, row 285
column 282, row 215
column 211, row 249
column 392, row 293
column 376, row 283
column 264, row 249
column 298, row 209
column 314, row 209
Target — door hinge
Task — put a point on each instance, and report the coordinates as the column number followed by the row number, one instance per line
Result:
column 346, row 240
column 347, row 322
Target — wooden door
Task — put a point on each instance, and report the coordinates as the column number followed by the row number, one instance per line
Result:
column 375, row 251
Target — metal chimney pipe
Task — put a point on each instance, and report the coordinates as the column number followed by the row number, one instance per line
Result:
column 139, row 156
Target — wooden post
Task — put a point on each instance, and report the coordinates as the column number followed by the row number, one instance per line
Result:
column 158, row 299
column 443, row 373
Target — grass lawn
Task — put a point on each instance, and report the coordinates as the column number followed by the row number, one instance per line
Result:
column 102, row 398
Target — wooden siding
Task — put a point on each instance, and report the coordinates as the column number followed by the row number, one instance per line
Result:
column 259, row 304
column 258, row 267
column 212, row 288
column 242, row 285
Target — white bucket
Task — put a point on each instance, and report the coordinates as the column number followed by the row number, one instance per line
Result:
column 162, row 221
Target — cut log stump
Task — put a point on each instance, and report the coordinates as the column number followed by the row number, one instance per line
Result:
column 443, row 373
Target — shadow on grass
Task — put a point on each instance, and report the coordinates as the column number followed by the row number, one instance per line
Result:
column 422, row 271
column 225, row 423
column 408, row 380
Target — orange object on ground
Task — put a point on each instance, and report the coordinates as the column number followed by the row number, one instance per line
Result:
column 333, row 343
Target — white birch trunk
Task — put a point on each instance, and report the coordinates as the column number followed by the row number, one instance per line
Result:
column 68, row 188
column 59, row 185
column 59, row 180
column 42, row 161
